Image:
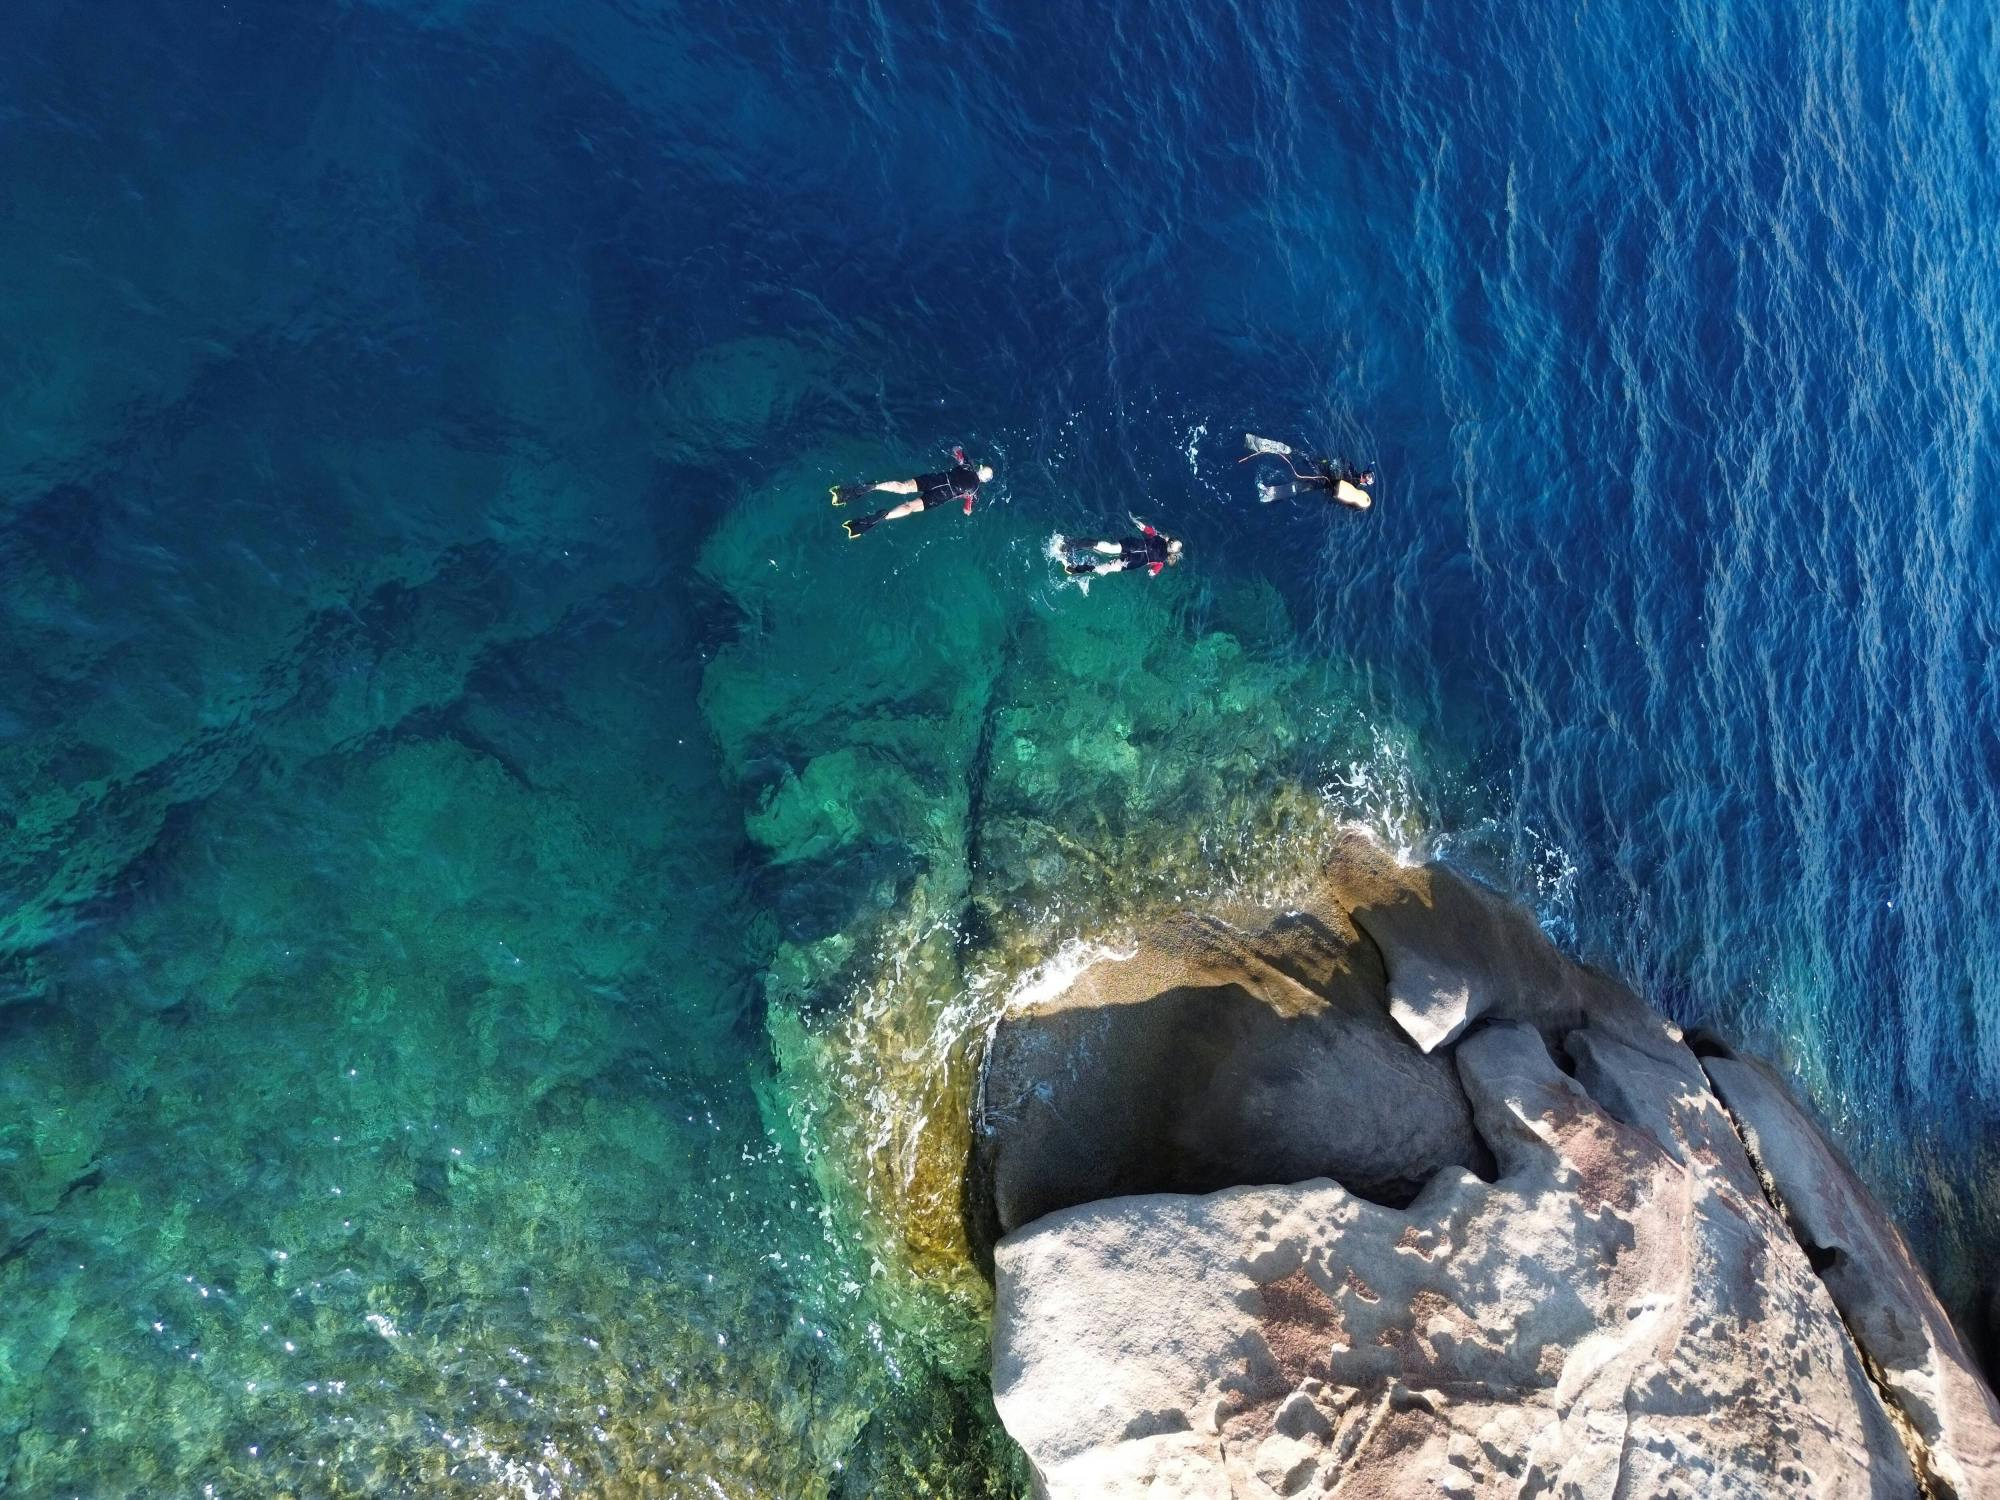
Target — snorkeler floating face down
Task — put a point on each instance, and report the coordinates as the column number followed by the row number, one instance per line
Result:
column 1338, row 480
column 958, row 484
column 1149, row 552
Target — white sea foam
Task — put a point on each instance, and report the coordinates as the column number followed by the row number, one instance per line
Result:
column 1054, row 551
column 1057, row 973
column 1192, row 447
column 1378, row 791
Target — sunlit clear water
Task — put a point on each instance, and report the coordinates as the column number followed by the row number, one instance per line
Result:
column 498, row 898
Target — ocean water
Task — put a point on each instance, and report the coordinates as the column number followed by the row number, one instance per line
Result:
column 499, row 899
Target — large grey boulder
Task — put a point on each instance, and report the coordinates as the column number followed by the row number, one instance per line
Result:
column 1592, row 1294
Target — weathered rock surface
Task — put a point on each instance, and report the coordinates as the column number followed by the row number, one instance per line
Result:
column 1592, row 1294
column 1215, row 1055
column 1923, row 1367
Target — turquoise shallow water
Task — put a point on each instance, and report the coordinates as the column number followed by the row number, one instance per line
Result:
column 497, row 899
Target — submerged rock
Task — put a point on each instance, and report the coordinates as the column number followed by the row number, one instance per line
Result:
column 1620, row 1309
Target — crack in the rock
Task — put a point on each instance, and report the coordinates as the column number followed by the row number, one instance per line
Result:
column 1822, row 1259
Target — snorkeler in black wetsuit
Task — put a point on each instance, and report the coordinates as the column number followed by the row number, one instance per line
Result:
column 1342, row 482
column 1150, row 549
column 960, row 482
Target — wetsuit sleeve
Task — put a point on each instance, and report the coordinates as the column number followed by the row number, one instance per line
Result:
column 962, row 483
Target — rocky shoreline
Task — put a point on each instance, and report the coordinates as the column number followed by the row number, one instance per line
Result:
column 1383, row 1195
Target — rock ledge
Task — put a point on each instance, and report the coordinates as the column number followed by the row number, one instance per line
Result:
column 1385, row 1196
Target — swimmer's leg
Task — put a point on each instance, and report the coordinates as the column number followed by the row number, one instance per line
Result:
column 1266, row 493
column 842, row 493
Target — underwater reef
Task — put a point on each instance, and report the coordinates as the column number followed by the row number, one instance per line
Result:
column 939, row 797
column 380, row 989
column 504, row 1007
column 1379, row 1193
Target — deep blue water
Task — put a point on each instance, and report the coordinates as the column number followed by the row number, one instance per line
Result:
column 420, row 618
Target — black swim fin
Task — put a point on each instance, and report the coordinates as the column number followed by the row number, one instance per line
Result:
column 842, row 493
column 1079, row 554
column 857, row 524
